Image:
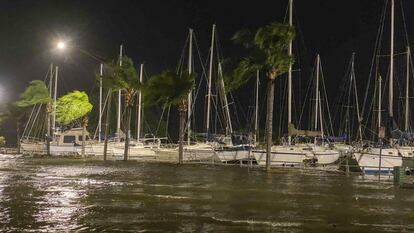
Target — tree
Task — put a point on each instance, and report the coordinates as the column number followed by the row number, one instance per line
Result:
column 2, row 141
column 169, row 88
column 35, row 93
column 15, row 114
column 71, row 107
column 267, row 51
column 123, row 78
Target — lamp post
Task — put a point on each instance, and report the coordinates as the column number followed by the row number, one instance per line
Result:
column 62, row 46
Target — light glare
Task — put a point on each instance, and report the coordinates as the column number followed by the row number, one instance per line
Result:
column 61, row 45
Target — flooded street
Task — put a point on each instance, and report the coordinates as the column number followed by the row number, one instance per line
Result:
column 48, row 195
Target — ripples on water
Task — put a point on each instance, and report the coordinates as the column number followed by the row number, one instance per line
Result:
column 44, row 195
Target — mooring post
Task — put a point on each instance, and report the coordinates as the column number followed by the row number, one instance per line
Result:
column 347, row 164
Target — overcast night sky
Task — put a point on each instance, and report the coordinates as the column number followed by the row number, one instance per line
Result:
column 154, row 32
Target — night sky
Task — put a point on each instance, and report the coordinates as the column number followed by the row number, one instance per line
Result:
column 154, row 32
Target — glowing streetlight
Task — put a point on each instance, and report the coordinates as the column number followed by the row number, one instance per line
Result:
column 61, row 45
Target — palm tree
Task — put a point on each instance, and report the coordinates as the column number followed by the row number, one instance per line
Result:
column 268, row 51
column 123, row 78
column 170, row 88
column 35, row 93
column 71, row 107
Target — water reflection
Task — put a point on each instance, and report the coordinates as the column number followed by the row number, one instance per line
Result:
column 74, row 195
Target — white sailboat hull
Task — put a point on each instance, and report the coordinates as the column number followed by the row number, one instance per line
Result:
column 55, row 150
column 117, row 150
column 235, row 153
column 197, row 152
column 297, row 156
column 369, row 161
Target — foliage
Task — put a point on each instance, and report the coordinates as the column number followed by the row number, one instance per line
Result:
column 169, row 88
column 267, row 51
column 11, row 111
column 122, row 78
column 2, row 141
column 35, row 93
column 72, row 107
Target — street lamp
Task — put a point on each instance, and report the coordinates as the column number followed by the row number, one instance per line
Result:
column 64, row 48
column 61, row 45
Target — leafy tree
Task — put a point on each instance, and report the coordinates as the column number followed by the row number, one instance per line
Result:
column 123, row 78
column 171, row 89
column 16, row 114
column 35, row 93
column 267, row 51
column 2, row 141
column 72, row 107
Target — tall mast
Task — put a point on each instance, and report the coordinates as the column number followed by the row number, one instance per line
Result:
column 118, row 120
column 229, row 128
column 407, row 90
column 49, row 116
column 54, row 100
column 141, row 72
column 190, row 71
column 256, row 109
column 290, row 72
column 391, row 85
column 320, row 112
column 317, row 92
column 356, row 95
column 100, row 103
column 379, row 101
column 210, row 74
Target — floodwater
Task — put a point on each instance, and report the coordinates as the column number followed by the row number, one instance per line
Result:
column 52, row 195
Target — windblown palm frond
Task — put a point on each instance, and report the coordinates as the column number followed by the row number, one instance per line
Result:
column 35, row 93
column 267, row 51
column 72, row 107
column 168, row 88
column 121, row 77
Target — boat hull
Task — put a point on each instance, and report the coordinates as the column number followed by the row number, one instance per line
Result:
column 370, row 161
column 297, row 156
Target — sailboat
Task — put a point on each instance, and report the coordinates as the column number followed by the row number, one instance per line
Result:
column 214, row 146
column 139, row 148
column 193, row 150
column 314, row 153
column 347, row 114
column 300, row 154
column 383, row 158
column 242, row 152
column 62, row 142
column 223, row 146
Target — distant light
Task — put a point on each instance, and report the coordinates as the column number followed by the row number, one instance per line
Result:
column 61, row 45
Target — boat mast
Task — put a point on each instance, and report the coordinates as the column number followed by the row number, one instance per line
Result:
column 256, row 109
column 49, row 116
column 100, row 103
column 229, row 127
column 54, row 101
column 141, row 71
column 190, row 71
column 379, row 101
column 290, row 72
column 317, row 92
column 320, row 113
column 391, row 85
column 407, row 89
column 210, row 74
column 118, row 120
column 353, row 80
